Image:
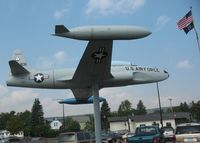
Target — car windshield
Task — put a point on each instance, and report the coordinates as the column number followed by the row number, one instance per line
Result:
column 67, row 137
column 146, row 131
column 167, row 129
column 188, row 129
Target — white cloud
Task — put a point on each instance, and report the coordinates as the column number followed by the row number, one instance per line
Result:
column 115, row 96
column 3, row 90
column 60, row 56
column 162, row 21
column 44, row 63
column 59, row 13
column 185, row 64
column 17, row 100
column 105, row 7
column 50, row 62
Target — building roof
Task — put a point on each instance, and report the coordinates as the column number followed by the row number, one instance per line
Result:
column 78, row 118
column 151, row 117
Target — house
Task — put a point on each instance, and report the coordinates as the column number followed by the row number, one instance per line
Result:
column 81, row 119
column 55, row 124
column 6, row 134
column 131, row 122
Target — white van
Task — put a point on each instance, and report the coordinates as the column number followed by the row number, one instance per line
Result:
column 188, row 132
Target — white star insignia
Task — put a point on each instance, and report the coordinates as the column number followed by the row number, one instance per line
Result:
column 38, row 77
column 99, row 55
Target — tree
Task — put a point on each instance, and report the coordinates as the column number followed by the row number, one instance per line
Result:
column 184, row 107
column 38, row 127
column 37, row 113
column 26, row 118
column 4, row 117
column 14, row 125
column 71, row 125
column 105, row 113
column 176, row 109
column 125, row 108
column 90, row 124
column 195, row 110
column 141, row 109
column 114, row 114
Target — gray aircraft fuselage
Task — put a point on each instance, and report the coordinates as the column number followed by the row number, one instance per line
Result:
column 122, row 75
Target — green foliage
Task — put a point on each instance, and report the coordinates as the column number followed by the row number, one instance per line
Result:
column 184, row 107
column 32, row 124
column 141, row 109
column 4, row 117
column 52, row 134
column 40, row 130
column 14, row 125
column 105, row 113
column 71, row 125
column 38, row 127
column 125, row 108
column 90, row 124
column 195, row 110
column 37, row 113
column 26, row 118
column 114, row 114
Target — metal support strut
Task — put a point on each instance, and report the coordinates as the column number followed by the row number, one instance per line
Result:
column 97, row 121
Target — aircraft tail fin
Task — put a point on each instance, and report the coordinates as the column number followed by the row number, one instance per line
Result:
column 18, row 64
column 59, row 29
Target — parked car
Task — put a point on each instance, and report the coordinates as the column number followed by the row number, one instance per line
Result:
column 188, row 132
column 37, row 140
column 110, row 137
column 3, row 140
column 127, row 135
column 168, row 133
column 147, row 134
column 76, row 137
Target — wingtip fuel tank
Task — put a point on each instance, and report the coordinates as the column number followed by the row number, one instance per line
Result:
column 80, row 101
column 106, row 32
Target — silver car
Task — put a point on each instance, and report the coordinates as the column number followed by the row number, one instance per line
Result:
column 168, row 133
column 188, row 132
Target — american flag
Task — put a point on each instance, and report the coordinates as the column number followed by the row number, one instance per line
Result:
column 185, row 21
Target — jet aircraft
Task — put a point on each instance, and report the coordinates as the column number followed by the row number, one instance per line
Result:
column 95, row 69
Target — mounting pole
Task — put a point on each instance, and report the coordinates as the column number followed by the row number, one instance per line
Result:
column 97, row 121
column 161, row 118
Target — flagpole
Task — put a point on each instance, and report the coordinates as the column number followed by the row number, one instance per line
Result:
column 197, row 37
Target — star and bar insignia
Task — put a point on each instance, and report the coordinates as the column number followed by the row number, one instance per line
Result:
column 99, row 55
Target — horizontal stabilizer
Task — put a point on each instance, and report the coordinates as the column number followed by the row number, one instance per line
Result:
column 16, row 68
column 59, row 29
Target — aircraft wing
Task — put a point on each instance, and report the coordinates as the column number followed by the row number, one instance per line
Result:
column 94, row 65
column 81, row 93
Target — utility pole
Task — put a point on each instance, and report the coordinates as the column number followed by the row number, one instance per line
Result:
column 170, row 101
column 63, row 112
column 63, row 116
column 161, row 118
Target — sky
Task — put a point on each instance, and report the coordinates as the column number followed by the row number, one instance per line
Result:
column 27, row 25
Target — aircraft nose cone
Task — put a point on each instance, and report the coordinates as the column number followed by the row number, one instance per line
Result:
column 167, row 74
